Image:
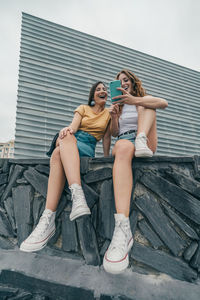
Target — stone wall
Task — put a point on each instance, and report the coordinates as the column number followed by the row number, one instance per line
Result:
column 164, row 216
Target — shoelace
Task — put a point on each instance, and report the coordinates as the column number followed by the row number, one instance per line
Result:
column 144, row 139
column 119, row 238
column 77, row 195
column 42, row 225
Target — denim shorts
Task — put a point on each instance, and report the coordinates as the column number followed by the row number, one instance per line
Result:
column 128, row 136
column 86, row 144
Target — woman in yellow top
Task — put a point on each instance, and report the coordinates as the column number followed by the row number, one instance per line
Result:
column 89, row 125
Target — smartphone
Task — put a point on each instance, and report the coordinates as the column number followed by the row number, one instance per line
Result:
column 113, row 89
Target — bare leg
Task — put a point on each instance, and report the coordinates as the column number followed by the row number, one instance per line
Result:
column 56, row 180
column 122, row 175
column 147, row 124
column 146, row 118
column 70, row 159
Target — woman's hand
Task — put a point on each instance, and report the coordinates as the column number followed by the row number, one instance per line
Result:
column 63, row 131
column 114, row 110
column 126, row 98
column 146, row 101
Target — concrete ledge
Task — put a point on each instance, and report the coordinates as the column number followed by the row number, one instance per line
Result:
column 65, row 278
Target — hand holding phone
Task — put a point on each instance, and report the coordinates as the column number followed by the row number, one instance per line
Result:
column 113, row 90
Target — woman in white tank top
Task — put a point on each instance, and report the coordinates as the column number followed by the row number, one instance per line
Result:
column 132, row 122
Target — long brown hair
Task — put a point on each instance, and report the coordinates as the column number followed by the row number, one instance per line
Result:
column 138, row 89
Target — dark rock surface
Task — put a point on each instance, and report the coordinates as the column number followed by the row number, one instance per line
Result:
column 160, row 223
column 190, row 251
column 69, row 233
column 15, row 175
column 163, row 262
column 195, row 261
column 188, row 206
column 164, row 218
column 5, row 226
column 106, row 210
column 181, row 223
column 149, row 234
column 37, row 180
column 98, row 175
column 22, row 199
column 88, row 240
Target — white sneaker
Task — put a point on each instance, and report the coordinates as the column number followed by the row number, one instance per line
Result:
column 79, row 204
column 141, row 148
column 41, row 234
column 116, row 258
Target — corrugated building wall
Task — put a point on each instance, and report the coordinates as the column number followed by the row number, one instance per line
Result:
column 58, row 65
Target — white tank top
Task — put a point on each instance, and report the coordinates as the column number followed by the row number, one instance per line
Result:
column 128, row 119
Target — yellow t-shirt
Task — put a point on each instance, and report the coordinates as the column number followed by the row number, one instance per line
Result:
column 93, row 123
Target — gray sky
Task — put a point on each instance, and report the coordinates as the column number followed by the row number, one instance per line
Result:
column 168, row 29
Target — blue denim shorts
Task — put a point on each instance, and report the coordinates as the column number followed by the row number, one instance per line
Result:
column 86, row 143
column 130, row 136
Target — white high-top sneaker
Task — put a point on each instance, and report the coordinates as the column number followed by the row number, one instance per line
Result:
column 41, row 234
column 116, row 258
column 141, row 148
column 79, row 204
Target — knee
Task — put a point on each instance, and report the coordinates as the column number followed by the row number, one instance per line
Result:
column 143, row 111
column 55, row 157
column 69, row 138
column 124, row 150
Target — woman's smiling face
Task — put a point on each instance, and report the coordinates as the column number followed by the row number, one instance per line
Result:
column 126, row 83
column 100, row 94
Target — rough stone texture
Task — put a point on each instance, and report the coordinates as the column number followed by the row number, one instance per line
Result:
column 189, row 185
column 98, row 175
column 22, row 199
column 5, row 226
column 15, row 175
column 181, row 223
column 2, row 189
column 38, row 208
column 88, row 241
column 195, row 262
column 91, row 196
column 52, row 291
column 37, row 180
column 12, row 167
column 69, row 233
column 84, row 166
column 133, row 220
column 43, row 169
column 22, row 181
column 9, row 207
column 189, row 251
column 163, row 262
column 3, row 178
column 6, row 244
column 149, row 234
column 188, row 206
column 106, row 210
column 152, row 211
column 160, row 221
column 6, row 166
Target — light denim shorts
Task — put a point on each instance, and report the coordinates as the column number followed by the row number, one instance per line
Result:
column 130, row 136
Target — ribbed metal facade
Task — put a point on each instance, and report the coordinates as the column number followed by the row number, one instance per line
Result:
column 58, row 65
